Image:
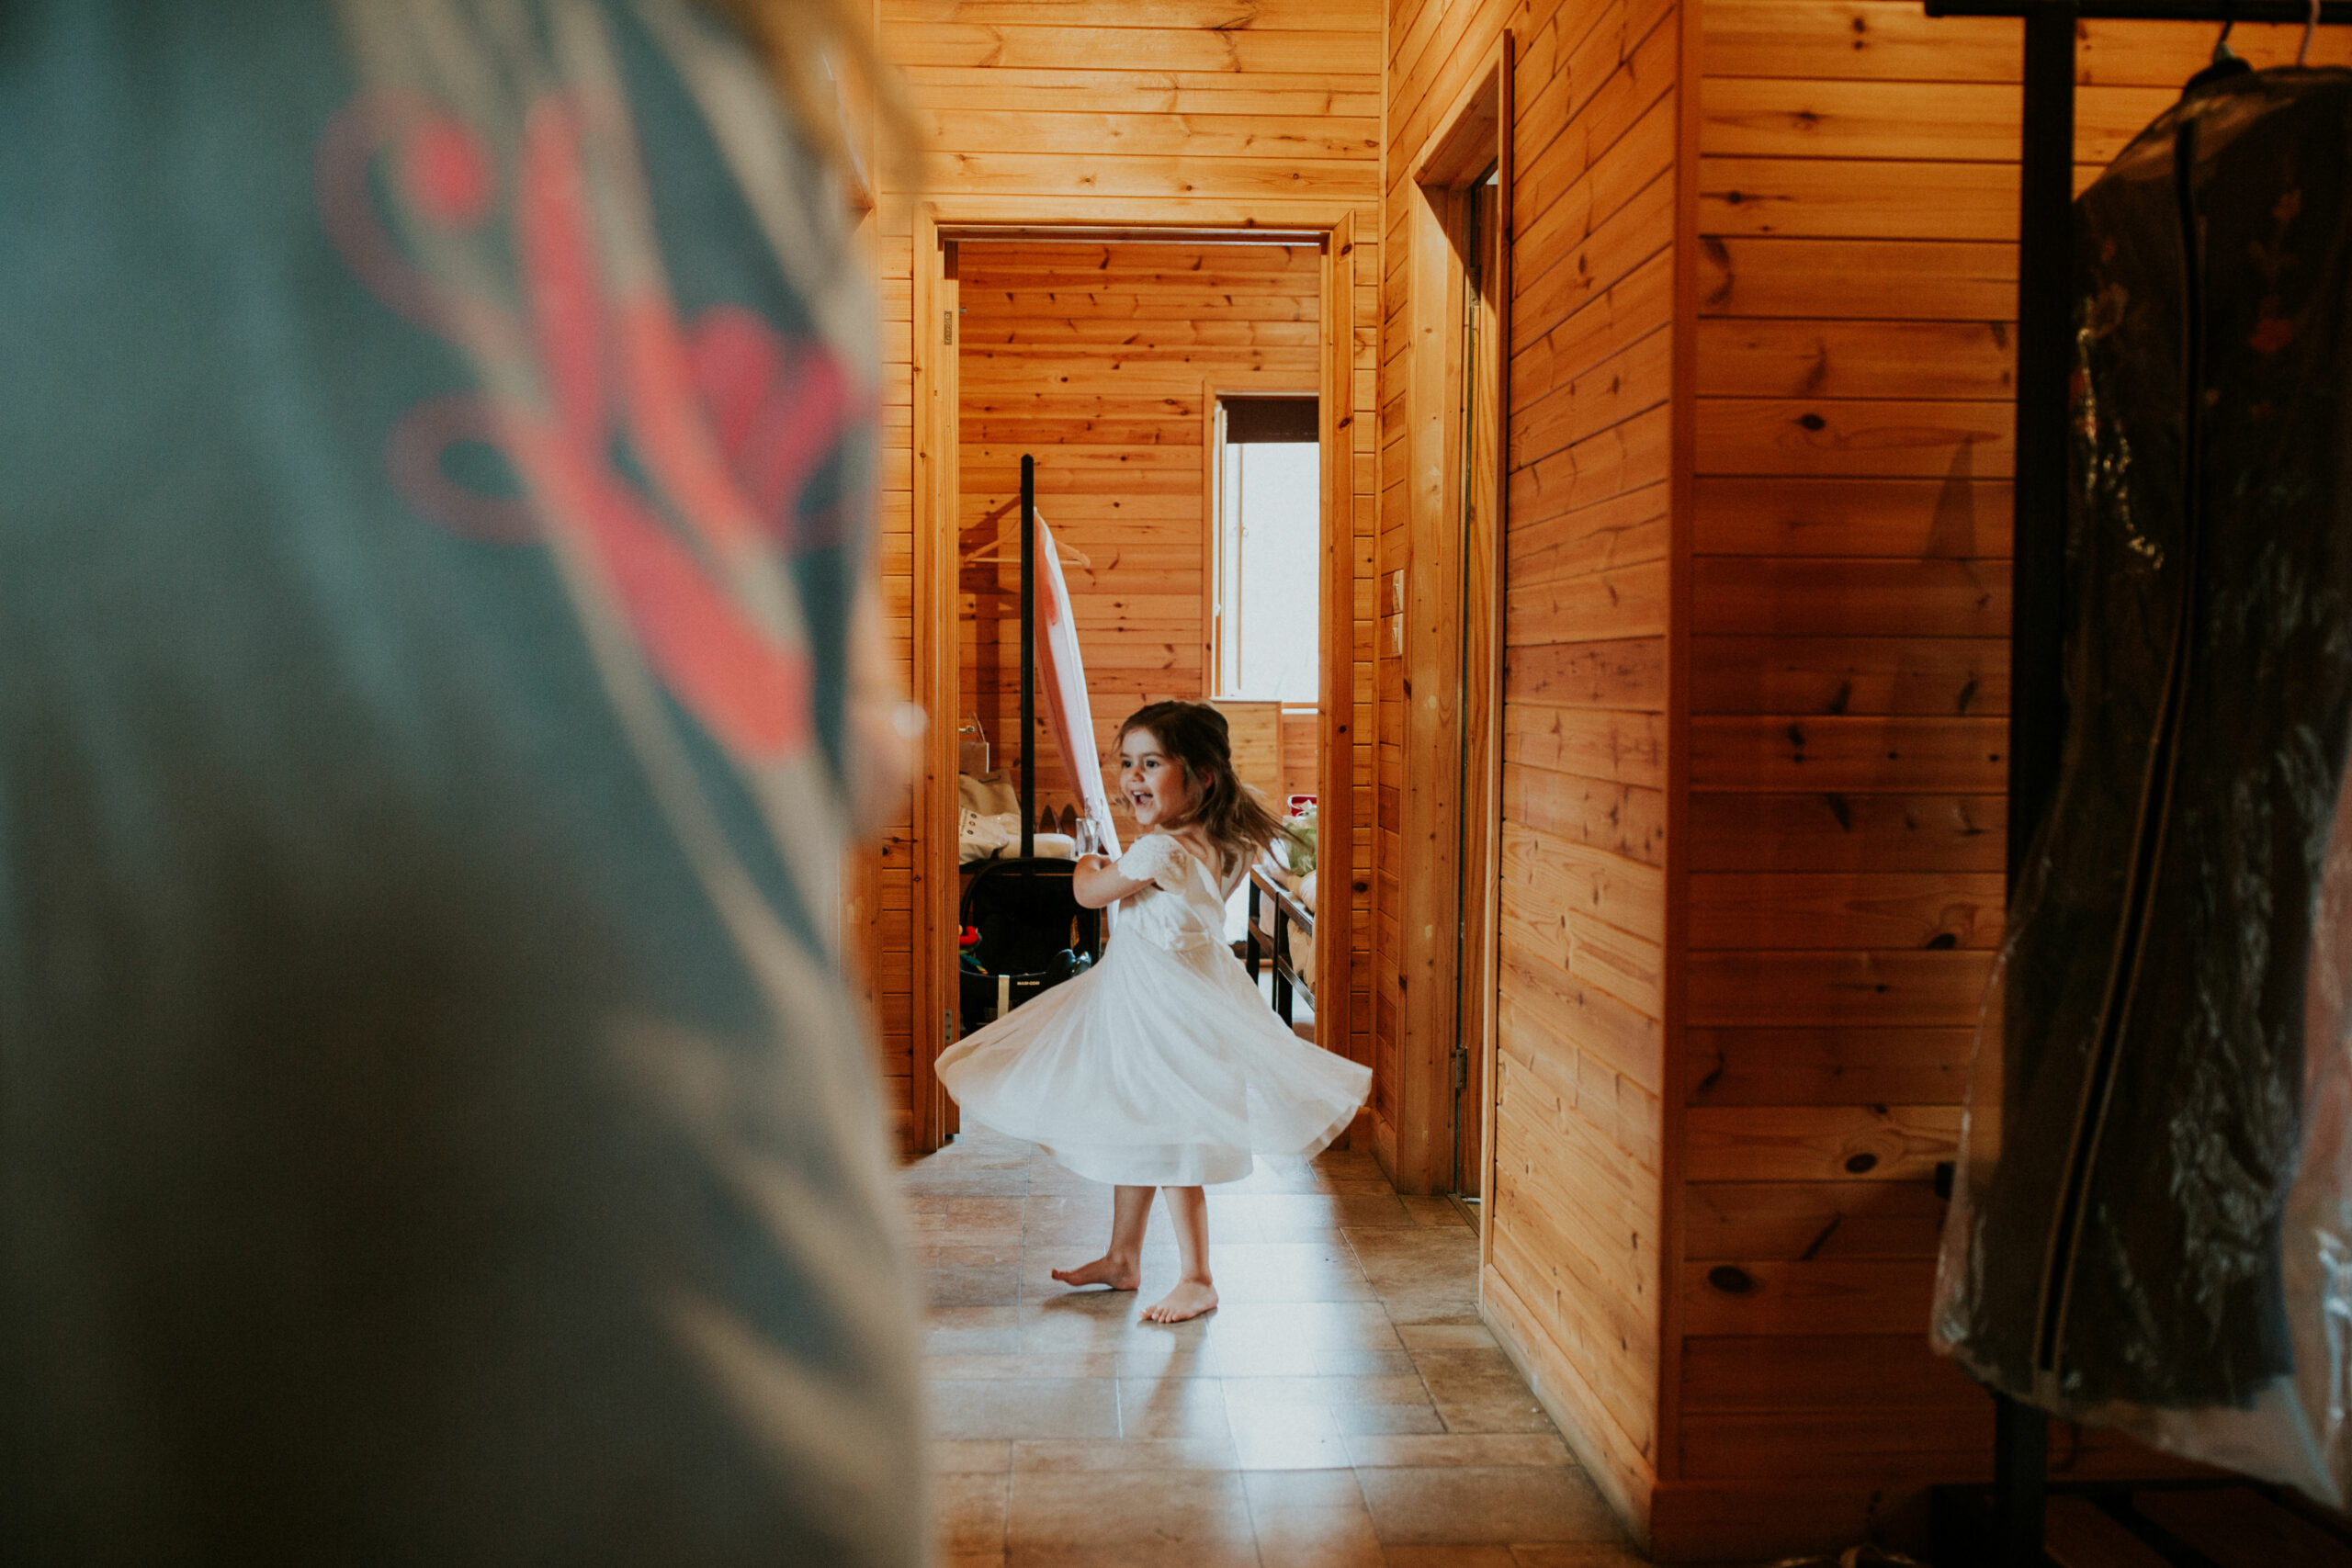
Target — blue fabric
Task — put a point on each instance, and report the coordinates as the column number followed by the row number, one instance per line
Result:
column 377, row 1074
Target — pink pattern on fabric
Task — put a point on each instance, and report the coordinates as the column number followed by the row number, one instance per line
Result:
column 448, row 173
column 779, row 410
column 727, row 422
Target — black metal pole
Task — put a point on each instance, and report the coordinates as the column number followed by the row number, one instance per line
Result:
column 2020, row 1483
column 1028, row 656
column 2037, row 625
column 2044, row 350
column 2045, row 291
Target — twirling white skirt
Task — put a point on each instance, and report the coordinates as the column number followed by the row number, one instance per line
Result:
column 1155, row 1068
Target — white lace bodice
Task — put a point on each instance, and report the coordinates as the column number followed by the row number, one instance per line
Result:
column 1183, row 910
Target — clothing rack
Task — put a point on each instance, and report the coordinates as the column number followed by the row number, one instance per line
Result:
column 2038, row 555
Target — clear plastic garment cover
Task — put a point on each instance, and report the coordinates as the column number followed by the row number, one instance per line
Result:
column 2152, row 1227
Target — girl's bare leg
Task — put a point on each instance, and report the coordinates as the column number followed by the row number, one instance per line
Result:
column 1121, row 1267
column 1195, row 1292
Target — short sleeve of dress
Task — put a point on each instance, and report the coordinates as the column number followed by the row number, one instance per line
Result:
column 1152, row 859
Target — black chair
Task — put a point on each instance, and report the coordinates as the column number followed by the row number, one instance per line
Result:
column 1032, row 931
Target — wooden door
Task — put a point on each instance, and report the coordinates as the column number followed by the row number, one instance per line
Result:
column 1478, row 864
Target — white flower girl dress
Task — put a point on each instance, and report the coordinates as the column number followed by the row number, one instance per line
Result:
column 1162, row 1065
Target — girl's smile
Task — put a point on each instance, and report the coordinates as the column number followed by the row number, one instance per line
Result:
column 1151, row 779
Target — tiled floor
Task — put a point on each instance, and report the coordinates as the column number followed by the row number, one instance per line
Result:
column 1343, row 1408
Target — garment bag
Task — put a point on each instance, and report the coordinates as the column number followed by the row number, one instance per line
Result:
column 2151, row 1227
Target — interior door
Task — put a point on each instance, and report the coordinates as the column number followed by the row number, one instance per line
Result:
column 1479, row 864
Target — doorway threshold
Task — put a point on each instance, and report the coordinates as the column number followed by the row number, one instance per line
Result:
column 1471, row 1211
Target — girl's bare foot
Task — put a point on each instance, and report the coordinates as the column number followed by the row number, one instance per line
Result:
column 1120, row 1274
column 1189, row 1299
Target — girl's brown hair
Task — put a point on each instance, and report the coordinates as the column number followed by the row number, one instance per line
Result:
column 1194, row 736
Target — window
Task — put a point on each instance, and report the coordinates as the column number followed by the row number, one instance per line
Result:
column 1269, row 548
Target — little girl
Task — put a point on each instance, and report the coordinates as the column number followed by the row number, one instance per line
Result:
column 1162, row 1066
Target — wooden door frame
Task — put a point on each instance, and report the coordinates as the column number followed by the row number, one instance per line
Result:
column 939, row 222
column 937, row 654
column 1484, row 390
column 1473, row 133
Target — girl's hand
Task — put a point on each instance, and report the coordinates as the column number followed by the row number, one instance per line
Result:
column 1097, row 884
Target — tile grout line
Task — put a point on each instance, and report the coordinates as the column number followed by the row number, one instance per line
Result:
column 1348, row 1234
column 1019, row 1341
column 1413, row 1294
column 1250, row 1512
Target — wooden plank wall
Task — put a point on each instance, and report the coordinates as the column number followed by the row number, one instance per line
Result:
column 1106, row 111
column 1574, row 1213
column 886, row 878
column 1099, row 360
column 1847, row 697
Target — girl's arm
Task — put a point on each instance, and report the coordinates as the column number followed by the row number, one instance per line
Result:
column 1097, row 883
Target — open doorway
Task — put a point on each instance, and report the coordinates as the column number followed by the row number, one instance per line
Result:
column 1113, row 362
column 1137, row 381
column 1445, row 600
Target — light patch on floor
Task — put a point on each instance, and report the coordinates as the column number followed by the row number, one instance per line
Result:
column 1342, row 1408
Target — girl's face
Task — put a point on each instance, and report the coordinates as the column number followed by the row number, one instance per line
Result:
column 1152, row 781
